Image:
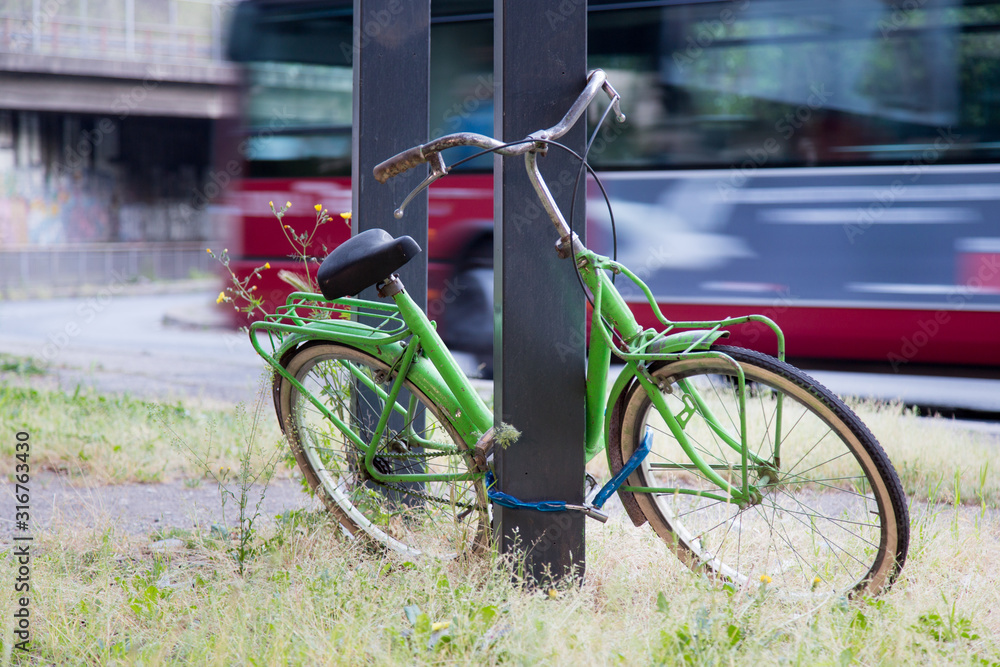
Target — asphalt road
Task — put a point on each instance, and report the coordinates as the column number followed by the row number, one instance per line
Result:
column 120, row 343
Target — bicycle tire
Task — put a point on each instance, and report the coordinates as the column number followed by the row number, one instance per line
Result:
column 836, row 521
column 441, row 519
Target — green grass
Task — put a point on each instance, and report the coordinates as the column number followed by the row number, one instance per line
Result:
column 121, row 439
column 22, row 365
column 936, row 460
column 116, row 439
column 309, row 595
column 313, row 597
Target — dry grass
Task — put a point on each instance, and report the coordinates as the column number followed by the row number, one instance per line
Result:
column 936, row 459
column 120, row 439
column 313, row 597
column 116, row 439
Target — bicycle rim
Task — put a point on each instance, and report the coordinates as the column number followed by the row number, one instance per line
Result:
column 440, row 519
column 831, row 516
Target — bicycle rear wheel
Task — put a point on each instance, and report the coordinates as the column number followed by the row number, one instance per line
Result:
column 831, row 516
column 441, row 519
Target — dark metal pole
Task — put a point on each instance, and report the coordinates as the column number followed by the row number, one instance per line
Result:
column 540, row 64
column 391, row 108
column 391, row 93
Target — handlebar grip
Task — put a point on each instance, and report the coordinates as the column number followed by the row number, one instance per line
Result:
column 399, row 163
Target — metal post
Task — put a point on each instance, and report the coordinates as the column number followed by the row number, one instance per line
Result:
column 391, row 93
column 36, row 26
column 130, row 27
column 540, row 62
column 391, row 109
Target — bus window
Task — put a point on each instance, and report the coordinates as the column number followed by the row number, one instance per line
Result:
column 298, row 119
column 800, row 83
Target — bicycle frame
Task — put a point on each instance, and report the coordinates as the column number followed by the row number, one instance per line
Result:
column 408, row 344
column 641, row 349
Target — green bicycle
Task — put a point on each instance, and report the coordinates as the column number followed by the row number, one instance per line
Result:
column 747, row 468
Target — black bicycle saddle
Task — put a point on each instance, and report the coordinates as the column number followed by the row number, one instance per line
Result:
column 362, row 261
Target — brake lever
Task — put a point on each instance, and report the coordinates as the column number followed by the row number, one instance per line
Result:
column 617, row 108
column 615, row 101
column 438, row 169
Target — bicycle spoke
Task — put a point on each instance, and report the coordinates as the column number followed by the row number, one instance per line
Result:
column 410, row 516
column 817, row 519
column 834, row 548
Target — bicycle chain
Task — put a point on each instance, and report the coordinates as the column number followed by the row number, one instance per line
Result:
column 419, row 494
column 425, row 496
column 417, row 455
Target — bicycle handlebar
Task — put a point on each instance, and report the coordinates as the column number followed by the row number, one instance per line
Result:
column 417, row 155
column 597, row 80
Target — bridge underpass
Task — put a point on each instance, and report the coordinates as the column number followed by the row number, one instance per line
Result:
column 113, row 117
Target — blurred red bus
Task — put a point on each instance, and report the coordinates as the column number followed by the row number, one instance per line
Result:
column 830, row 165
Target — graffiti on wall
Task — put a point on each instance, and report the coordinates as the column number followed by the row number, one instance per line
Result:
column 39, row 209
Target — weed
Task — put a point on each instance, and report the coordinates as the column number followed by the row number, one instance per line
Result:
column 318, row 598
column 241, row 486
column 244, row 291
column 22, row 365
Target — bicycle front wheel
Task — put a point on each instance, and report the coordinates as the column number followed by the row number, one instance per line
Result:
column 437, row 518
column 830, row 515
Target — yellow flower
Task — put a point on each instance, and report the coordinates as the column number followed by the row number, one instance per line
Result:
column 318, row 207
column 208, row 250
column 271, row 204
column 221, row 297
column 764, row 579
column 553, row 594
column 440, row 625
column 267, row 265
column 288, row 204
column 346, row 216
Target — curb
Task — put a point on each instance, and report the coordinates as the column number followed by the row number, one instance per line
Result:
column 204, row 316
